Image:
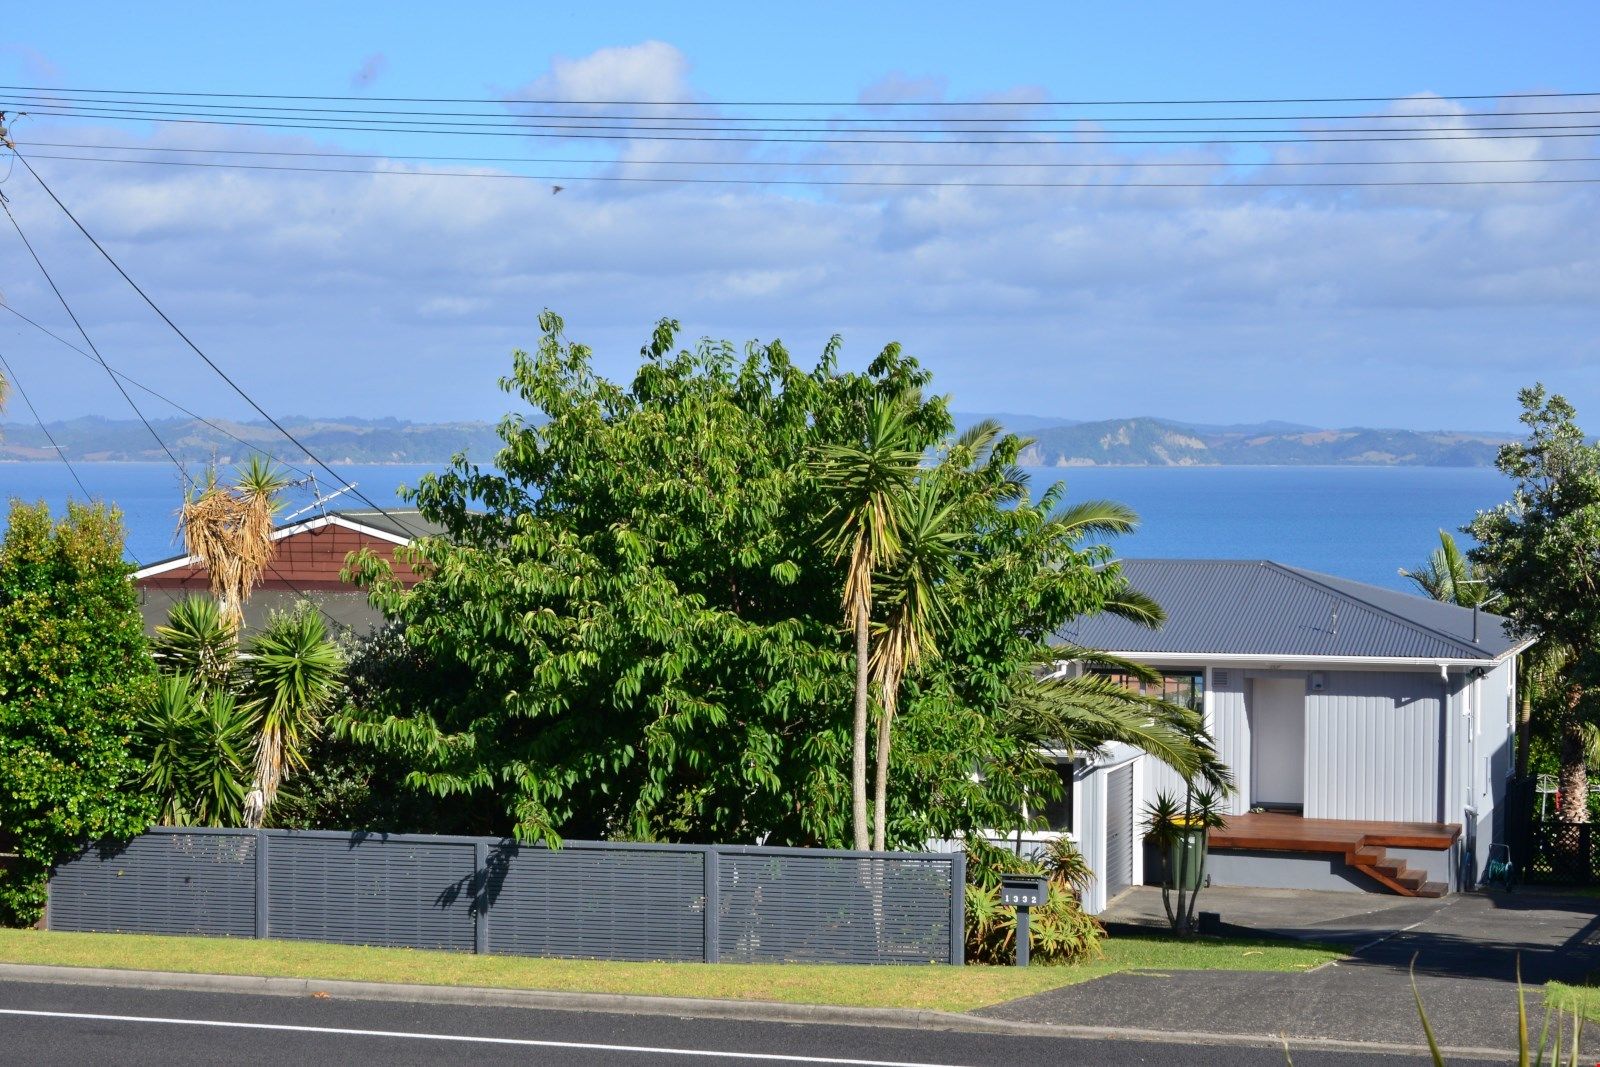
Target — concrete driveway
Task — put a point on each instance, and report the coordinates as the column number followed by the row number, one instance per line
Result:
column 1466, row 949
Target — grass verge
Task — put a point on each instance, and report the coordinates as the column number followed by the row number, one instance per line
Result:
column 1582, row 999
column 933, row 987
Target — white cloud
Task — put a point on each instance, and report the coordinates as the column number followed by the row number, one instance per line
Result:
column 342, row 293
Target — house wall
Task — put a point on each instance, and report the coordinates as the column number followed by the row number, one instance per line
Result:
column 1230, row 728
column 1373, row 746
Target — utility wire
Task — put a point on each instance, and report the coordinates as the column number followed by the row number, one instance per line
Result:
column 668, row 125
column 72, row 99
column 855, row 183
column 722, row 124
column 61, row 453
column 87, row 340
column 582, row 134
column 197, row 350
column 798, row 103
column 254, row 447
column 797, row 163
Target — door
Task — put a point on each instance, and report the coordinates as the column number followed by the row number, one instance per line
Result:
column 1278, row 741
column 1119, row 830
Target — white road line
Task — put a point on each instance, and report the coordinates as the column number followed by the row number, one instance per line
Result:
column 522, row 1041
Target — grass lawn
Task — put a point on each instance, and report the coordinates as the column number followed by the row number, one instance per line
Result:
column 942, row 988
column 1584, row 999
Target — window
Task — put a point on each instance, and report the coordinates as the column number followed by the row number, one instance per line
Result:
column 1058, row 813
column 1184, row 687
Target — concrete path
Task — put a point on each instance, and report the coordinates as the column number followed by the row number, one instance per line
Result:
column 1466, row 949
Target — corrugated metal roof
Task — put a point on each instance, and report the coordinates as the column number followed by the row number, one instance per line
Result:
column 1257, row 607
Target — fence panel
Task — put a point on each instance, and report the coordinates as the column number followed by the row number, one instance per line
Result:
column 371, row 890
column 593, row 900
column 199, row 883
column 833, row 908
column 598, row 903
column 1563, row 854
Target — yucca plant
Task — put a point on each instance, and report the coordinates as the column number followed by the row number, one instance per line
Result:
column 292, row 675
column 1172, row 825
column 229, row 529
column 196, row 642
column 195, row 747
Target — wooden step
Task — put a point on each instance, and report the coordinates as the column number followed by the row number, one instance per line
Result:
column 1432, row 889
column 1393, row 874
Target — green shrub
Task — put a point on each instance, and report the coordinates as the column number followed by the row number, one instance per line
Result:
column 73, row 667
column 1059, row 932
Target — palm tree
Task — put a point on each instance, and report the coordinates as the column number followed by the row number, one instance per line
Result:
column 868, row 482
column 1449, row 576
column 229, row 529
column 929, row 544
column 217, row 700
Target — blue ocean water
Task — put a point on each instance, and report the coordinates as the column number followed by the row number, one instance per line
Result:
column 1357, row 522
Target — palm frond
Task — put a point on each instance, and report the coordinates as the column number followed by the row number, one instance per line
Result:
column 1129, row 603
column 1096, row 517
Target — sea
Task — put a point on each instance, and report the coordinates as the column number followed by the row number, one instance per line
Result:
column 1363, row 523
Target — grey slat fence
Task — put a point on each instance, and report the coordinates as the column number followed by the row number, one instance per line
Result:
column 585, row 900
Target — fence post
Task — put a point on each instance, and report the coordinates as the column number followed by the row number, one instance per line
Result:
column 480, row 902
column 958, row 909
column 262, row 886
column 713, row 934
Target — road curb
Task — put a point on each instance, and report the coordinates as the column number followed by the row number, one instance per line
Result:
column 682, row 1007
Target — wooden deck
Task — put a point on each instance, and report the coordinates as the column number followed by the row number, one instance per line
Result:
column 1362, row 844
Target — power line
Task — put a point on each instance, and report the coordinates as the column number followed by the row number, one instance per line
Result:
column 196, row 348
column 800, row 163
column 72, row 99
column 588, row 134
column 165, row 399
column 61, row 454
column 85, row 334
column 853, row 183
column 628, row 131
column 800, row 103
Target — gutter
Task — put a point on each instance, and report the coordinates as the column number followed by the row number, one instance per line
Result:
column 1270, row 661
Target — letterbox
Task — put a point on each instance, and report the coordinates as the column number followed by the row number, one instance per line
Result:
column 1024, row 890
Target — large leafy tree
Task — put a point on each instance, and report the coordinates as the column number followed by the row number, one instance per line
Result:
column 1543, row 549
column 73, row 667
column 632, row 627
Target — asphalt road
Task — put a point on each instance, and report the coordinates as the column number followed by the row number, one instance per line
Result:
column 62, row 1024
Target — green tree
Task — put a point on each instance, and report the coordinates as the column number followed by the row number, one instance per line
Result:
column 73, row 666
column 1543, row 548
column 631, row 628
column 1448, row 575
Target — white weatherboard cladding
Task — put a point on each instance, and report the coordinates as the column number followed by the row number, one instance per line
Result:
column 1230, row 729
column 1373, row 746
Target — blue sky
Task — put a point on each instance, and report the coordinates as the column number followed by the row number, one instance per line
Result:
column 374, row 295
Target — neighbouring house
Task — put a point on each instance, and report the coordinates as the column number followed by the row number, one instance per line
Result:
column 1369, row 731
column 307, row 559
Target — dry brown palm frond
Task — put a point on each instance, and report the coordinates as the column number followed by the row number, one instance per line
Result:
column 229, row 529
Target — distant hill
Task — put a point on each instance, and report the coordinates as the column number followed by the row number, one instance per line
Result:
column 345, row 440
column 1138, row 442
column 1145, row 442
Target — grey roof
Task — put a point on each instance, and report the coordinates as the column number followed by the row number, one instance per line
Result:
column 1257, row 607
column 401, row 522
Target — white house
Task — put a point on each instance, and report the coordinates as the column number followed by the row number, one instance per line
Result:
column 1369, row 731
